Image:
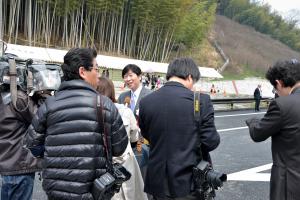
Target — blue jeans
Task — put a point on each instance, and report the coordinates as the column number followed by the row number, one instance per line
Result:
column 143, row 156
column 17, row 187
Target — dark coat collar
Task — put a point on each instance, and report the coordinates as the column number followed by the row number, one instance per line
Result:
column 75, row 84
column 174, row 83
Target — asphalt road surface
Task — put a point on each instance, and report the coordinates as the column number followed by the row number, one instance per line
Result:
column 246, row 163
column 237, row 153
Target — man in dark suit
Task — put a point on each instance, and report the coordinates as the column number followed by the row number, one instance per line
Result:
column 132, row 76
column 167, row 121
column 257, row 97
column 282, row 124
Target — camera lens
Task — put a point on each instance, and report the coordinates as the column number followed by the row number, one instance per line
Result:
column 215, row 178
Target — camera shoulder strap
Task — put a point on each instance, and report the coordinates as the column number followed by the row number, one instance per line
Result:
column 197, row 117
column 105, row 137
column 197, row 105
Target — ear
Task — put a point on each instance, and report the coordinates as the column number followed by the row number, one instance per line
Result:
column 279, row 83
column 189, row 78
column 82, row 72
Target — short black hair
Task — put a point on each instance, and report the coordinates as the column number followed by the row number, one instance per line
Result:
column 182, row 68
column 286, row 71
column 76, row 58
column 134, row 68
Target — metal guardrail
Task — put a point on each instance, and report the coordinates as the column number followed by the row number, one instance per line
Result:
column 233, row 101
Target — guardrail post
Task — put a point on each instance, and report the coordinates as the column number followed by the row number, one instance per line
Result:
column 231, row 105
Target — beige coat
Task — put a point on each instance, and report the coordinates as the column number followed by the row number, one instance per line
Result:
column 134, row 187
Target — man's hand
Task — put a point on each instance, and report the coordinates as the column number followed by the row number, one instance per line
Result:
column 139, row 146
column 250, row 121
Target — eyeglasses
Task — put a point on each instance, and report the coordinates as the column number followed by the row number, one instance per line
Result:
column 95, row 68
column 129, row 75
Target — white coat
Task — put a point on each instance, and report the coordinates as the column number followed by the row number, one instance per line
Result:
column 133, row 189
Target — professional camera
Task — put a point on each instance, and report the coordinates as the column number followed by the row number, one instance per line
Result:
column 12, row 78
column 5, row 76
column 32, row 77
column 207, row 180
column 110, row 182
column 45, row 77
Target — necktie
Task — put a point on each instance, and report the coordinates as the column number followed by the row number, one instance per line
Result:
column 132, row 102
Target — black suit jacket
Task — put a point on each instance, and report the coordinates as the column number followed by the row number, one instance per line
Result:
column 282, row 123
column 257, row 94
column 167, row 122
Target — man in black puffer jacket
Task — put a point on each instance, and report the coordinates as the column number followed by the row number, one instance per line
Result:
column 66, row 127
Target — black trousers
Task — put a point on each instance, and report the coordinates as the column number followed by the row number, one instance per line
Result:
column 257, row 102
column 189, row 197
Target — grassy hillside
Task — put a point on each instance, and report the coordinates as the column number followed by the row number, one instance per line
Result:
column 204, row 55
column 250, row 52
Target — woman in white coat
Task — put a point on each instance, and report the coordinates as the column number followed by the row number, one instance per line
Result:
column 133, row 189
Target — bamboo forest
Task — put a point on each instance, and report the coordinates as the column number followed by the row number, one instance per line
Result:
column 142, row 29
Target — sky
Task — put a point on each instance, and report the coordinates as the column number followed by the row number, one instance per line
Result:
column 283, row 6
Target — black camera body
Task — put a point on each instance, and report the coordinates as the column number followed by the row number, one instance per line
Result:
column 207, row 180
column 109, row 183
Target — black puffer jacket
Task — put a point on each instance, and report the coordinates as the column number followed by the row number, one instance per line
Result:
column 74, row 153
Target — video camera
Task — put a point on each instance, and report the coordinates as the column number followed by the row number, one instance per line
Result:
column 207, row 180
column 31, row 75
column 109, row 183
column 45, row 77
column 5, row 76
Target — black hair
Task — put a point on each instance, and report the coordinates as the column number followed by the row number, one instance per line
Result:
column 134, row 68
column 182, row 68
column 76, row 58
column 286, row 71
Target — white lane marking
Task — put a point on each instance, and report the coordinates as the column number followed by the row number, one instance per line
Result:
column 232, row 129
column 257, row 113
column 251, row 174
